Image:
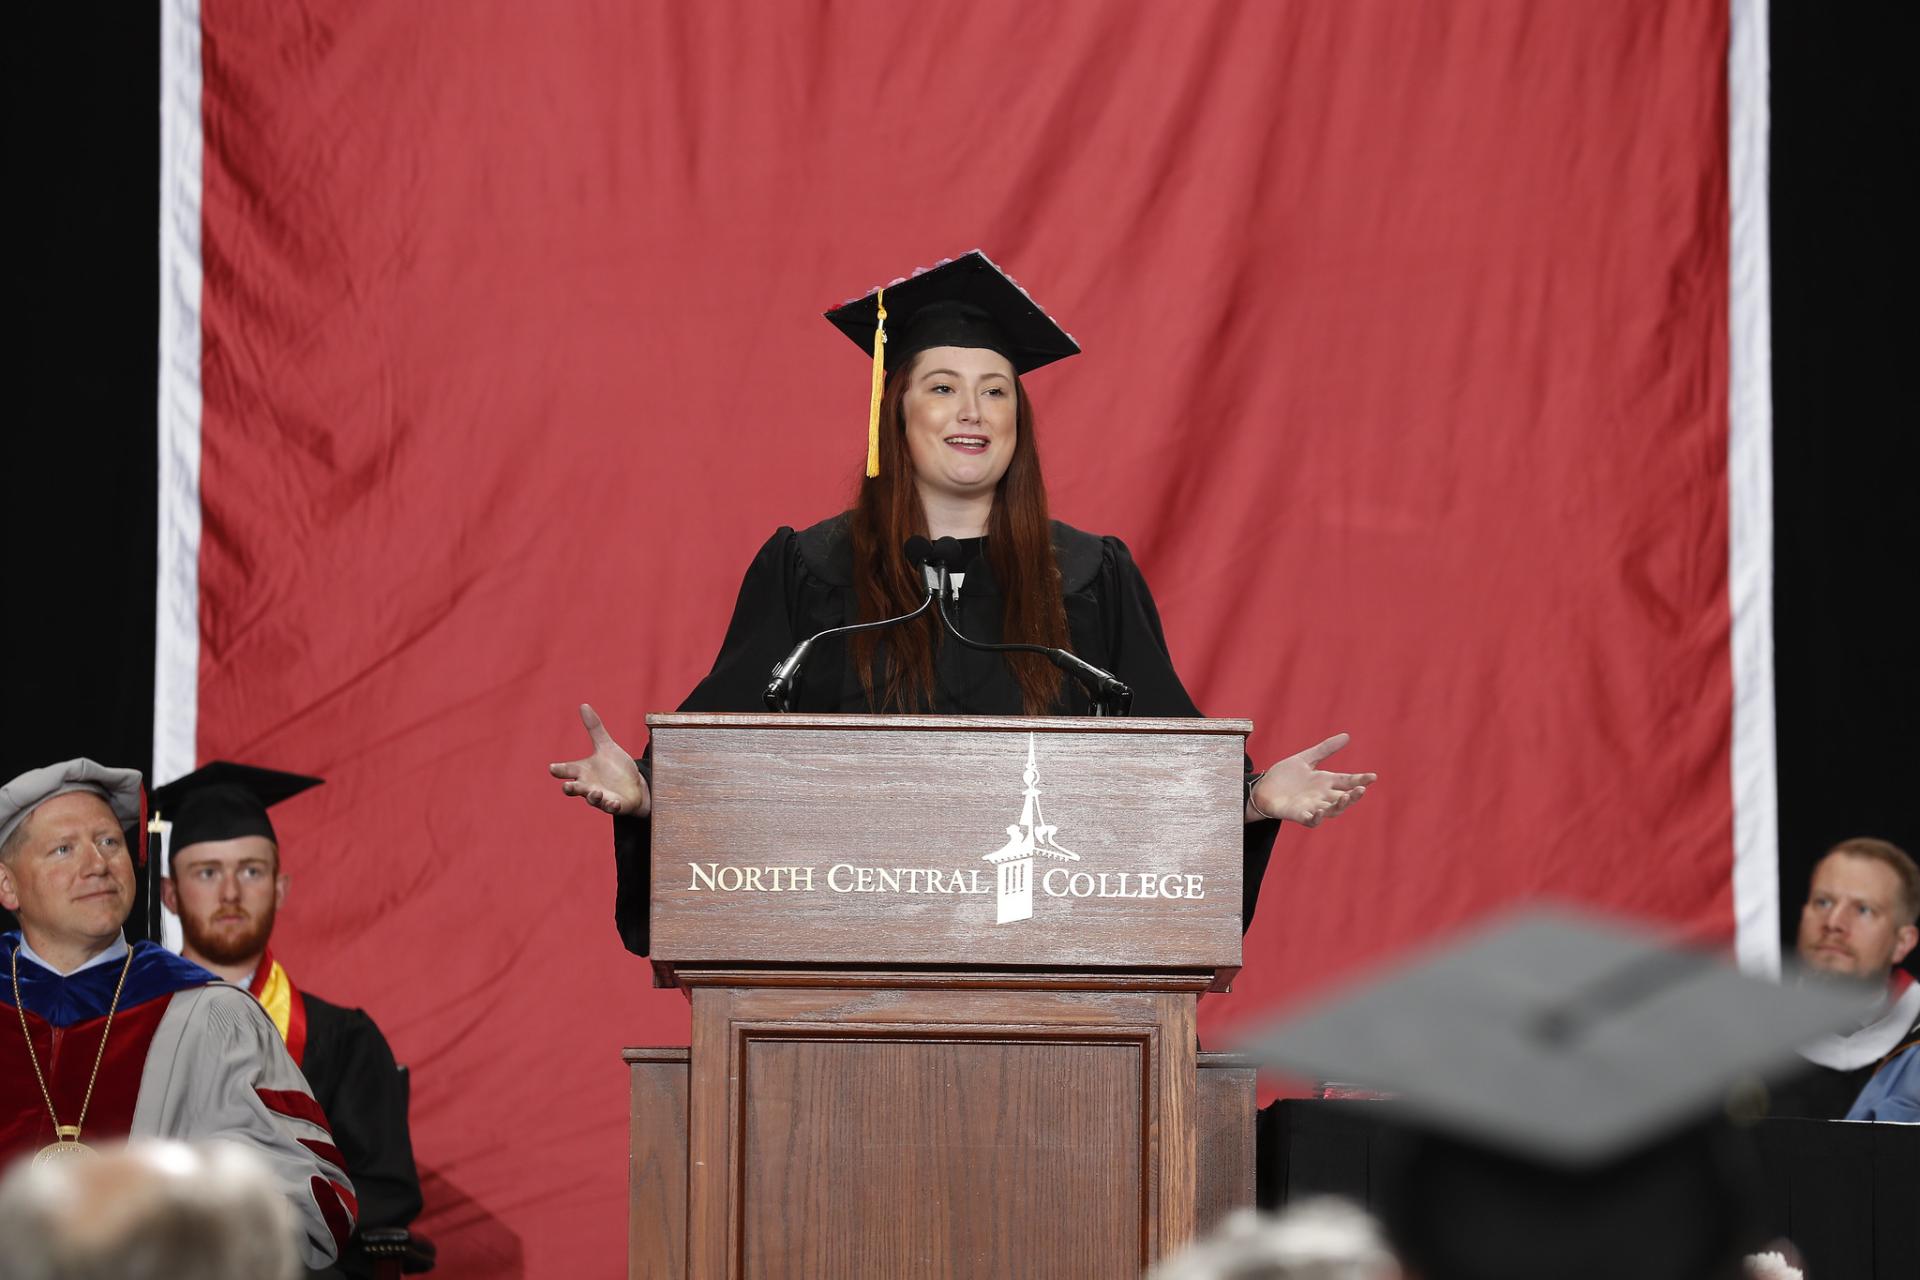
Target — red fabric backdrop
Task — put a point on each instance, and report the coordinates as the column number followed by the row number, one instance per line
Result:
column 1405, row 380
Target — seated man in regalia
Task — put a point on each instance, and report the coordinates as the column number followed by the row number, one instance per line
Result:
column 101, row 1040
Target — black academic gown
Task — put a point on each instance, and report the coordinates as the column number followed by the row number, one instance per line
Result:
column 1815, row 1092
column 802, row 583
column 364, row 1093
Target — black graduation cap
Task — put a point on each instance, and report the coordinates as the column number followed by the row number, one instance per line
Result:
column 224, row 801
column 958, row 302
column 1564, row 1088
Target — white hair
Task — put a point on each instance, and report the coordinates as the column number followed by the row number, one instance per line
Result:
column 1324, row 1238
column 1771, row 1265
column 151, row 1210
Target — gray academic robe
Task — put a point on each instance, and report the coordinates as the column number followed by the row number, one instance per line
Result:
column 217, row 1070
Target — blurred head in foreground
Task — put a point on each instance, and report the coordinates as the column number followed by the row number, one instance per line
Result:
column 1571, row 1092
column 147, row 1211
column 1320, row 1239
column 1858, row 921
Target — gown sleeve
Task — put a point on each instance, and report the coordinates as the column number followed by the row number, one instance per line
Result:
column 217, row 1069
column 759, row 636
column 1138, row 647
column 364, row 1093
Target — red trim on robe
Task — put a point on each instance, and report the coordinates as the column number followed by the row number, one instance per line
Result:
column 325, row 1150
column 258, row 986
column 339, row 1208
column 353, row 1201
column 66, row 1055
column 294, row 1103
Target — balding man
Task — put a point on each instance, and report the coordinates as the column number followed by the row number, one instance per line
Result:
column 99, row 1040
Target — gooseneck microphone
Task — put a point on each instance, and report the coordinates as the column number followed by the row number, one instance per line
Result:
column 779, row 695
column 1110, row 697
column 939, row 561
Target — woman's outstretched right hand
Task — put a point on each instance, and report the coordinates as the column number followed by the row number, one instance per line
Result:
column 608, row 779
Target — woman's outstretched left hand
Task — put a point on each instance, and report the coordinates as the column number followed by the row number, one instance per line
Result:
column 1298, row 790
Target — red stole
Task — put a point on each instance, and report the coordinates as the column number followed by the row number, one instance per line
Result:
column 283, row 1002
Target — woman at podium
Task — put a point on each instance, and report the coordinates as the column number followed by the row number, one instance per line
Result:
column 951, row 455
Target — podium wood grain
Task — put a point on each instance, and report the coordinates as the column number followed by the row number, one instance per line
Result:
column 1224, row 1157
column 657, row 1162
column 1227, row 1114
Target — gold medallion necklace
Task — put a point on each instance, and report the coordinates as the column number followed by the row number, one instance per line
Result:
column 67, row 1143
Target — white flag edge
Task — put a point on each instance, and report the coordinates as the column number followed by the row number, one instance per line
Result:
column 1756, row 814
column 176, row 641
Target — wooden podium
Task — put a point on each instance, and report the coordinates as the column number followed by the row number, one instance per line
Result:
column 943, row 973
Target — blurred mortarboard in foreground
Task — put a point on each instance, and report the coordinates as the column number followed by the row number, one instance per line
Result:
column 224, row 801
column 1563, row 1087
column 958, row 302
column 1557, row 1036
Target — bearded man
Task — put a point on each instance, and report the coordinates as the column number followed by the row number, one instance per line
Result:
column 1859, row 921
column 226, row 883
column 103, row 1040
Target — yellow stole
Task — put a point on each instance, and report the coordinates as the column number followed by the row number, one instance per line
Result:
column 281, row 999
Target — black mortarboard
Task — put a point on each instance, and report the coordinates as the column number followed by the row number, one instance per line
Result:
column 958, row 302
column 1567, row 1081
column 224, row 801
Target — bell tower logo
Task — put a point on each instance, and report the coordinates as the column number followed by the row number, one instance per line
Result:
column 1027, row 839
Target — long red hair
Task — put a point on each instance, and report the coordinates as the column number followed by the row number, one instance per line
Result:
column 887, row 511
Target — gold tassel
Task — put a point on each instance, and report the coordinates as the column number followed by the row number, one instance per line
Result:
column 879, row 381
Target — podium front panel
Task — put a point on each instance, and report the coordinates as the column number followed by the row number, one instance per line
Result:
column 862, row 1157
column 946, row 1133
column 897, row 840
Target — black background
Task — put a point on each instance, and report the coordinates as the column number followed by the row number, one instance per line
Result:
column 78, row 490
column 1843, row 472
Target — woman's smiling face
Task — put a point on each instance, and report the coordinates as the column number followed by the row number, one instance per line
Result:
column 961, row 419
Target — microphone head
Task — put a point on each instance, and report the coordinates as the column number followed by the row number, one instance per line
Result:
column 947, row 551
column 942, row 551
